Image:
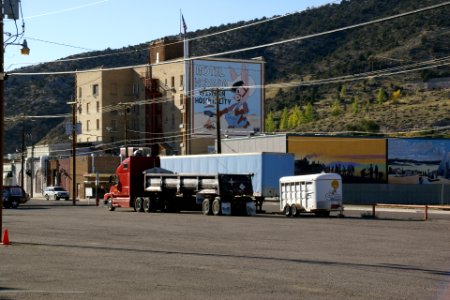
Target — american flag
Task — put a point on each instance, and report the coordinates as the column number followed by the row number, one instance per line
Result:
column 184, row 25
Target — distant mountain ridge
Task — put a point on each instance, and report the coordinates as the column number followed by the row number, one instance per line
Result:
column 394, row 43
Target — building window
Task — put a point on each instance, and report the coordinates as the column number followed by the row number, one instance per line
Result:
column 135, row 89
column 88, row 124
column 181, row 80
column 172, row 81
column 95, row 89
column 80, row 94
column 98, row 106
column 98, row 124
column 87, row 108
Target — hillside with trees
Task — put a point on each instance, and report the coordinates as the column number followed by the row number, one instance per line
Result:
column 353, row 81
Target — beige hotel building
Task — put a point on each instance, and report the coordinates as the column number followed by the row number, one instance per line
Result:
column 144, row 106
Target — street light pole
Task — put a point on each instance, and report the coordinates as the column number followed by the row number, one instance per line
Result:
column 25, row 51
column 2, row 120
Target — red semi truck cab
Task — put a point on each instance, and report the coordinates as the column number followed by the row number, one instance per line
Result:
column 129, row 181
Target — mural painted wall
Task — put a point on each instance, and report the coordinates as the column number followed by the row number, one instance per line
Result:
column 240, row 96
column 357, row 160
column 419, row 161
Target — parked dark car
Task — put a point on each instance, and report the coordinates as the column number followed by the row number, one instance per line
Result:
column 13, row 196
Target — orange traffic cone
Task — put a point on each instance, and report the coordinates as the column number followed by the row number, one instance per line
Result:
column 6, row 238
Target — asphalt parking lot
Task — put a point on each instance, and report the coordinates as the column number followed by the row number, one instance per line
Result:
column 60, row 251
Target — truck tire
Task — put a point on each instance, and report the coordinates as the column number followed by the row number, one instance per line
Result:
column 294, row 211
column 148, row 205
column 110, row 205
column 206, row 207
column 138, row 205
column 287, row 210
column 217, row 207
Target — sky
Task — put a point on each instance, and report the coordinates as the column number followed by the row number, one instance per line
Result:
column 55, row 29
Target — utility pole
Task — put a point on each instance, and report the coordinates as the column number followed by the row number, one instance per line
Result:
column 2, row 119
column 219, row 143
column 74, row 153
column 22, row 159
column 126, row 131
column 12, row 11
column 29, row 137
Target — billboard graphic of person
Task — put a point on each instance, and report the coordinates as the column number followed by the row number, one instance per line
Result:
column 236, row 113
column 236, row 86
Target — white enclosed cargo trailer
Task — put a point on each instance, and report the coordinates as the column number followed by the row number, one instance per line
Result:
column 315, row 193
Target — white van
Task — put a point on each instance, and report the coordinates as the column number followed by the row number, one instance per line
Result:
column 315, row 193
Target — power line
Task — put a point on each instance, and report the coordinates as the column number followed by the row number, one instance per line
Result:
column 434, row 63
column 60, row 44
column 67, row 9
column 300, row 38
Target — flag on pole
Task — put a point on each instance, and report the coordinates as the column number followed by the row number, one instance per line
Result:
column 184, row 24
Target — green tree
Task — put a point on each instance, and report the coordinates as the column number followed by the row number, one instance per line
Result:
column 355, row 105
column 284, row 125
column 381, row 96
column 343, row 93
column 294, row 117
column 309, row 114
column 336, row 108
column 270, row 123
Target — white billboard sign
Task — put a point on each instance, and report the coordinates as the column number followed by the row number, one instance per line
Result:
column 237, row 85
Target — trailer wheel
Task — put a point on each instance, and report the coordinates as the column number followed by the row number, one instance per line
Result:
column 110, row 205
column 148, row 205
column 206, row 207
column 287, row 211
column 217, row 207
column 138, row 205
column 294, row 211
